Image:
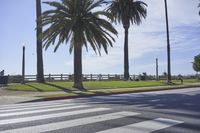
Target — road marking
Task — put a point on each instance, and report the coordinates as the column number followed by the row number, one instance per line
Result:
column 71, row 123
column 41, row 117
column 42, row 110
column 144, row 127
column 28, row 105
column 32, row 108
column 35, row 103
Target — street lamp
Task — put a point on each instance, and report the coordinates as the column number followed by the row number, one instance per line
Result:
column 157, row 78
column 168, row 46
column 23, row 64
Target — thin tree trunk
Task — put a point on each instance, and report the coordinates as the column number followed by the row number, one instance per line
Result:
column 40, row 71
column 78, row 67
column 126, row 60
column 168, row 46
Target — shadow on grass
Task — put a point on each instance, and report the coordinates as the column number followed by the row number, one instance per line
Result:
column 65, row 89
column 59, row 87
column 38, row 89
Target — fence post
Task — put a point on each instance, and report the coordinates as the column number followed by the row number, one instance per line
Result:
column 100, row 77
column 49, row 77
column 8, row 78
column 61, row 77
column 91, row 77
column 108, row 76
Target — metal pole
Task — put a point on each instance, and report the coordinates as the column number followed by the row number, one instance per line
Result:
column 23, row 65
column 157, row 78
column 168, row 46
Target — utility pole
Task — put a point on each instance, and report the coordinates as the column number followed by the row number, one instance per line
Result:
column 157, row 78
column 168, row 46
column 23, row 64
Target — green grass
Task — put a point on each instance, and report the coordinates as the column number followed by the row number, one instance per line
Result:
column 65, row 89
column 121, row 84
column 90, row 85
column 53, row 86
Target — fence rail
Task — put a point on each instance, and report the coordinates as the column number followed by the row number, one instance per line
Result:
column 89, row 77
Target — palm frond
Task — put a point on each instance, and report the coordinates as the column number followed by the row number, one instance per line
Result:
column 76, row 22
column 127, row 11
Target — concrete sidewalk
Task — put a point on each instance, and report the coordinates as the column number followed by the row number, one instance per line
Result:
column 13, row 97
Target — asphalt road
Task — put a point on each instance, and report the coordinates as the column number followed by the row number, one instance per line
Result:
column 174, row 111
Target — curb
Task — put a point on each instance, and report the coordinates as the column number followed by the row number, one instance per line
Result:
column 107, row 94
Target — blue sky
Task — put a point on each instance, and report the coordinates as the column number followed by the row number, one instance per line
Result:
column 146, row 42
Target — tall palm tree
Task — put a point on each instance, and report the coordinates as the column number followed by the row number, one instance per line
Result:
column 127, row 11
column 40, row 71
column 80, row 22
column 168, row 47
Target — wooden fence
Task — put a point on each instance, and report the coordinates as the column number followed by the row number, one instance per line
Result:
column 69, row 77
column 89, row 77
column 86, row 77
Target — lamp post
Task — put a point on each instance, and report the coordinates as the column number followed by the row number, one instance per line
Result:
column 168, row 46
column 157, row 78
column 23, row 64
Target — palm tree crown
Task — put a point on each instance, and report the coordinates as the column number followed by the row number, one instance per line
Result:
column 79, row 22
column 127, row 11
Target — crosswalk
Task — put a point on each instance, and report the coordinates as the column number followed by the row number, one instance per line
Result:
column 59, row 116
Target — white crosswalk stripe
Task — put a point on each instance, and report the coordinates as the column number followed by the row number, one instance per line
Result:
column 17, row 106
column 40, row 117
column 71, row 123
column 41, row 111
column 37, row 107
column 54, row 116
column 144, row 127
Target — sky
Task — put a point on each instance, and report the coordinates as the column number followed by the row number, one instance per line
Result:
column 146, row 42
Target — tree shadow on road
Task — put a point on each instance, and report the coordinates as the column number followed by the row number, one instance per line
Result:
column 183, row 102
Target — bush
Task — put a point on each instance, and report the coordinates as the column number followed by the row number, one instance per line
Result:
column 15, row 79
column 3, row 80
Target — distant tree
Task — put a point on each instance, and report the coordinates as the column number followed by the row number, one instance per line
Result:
column 40, row 69
column 165, row 74
column 144, row 76
column 78, row 22
column 127, row 12
column 196, row 63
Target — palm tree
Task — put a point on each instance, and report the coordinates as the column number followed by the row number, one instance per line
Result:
column 127, row 11
column 40, row 71
column 79, row 22
column 168, row 47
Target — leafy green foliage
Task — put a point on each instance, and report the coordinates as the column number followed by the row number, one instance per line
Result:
column 77, row 22
column 127, row 11
column 196, row 63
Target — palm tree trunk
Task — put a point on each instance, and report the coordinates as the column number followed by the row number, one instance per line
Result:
column 40, row 71
column 78, row 67
column 126, row 61
column 168, row 46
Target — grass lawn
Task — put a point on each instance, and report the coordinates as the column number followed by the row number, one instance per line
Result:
column 65, row 89
column 92, row 85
